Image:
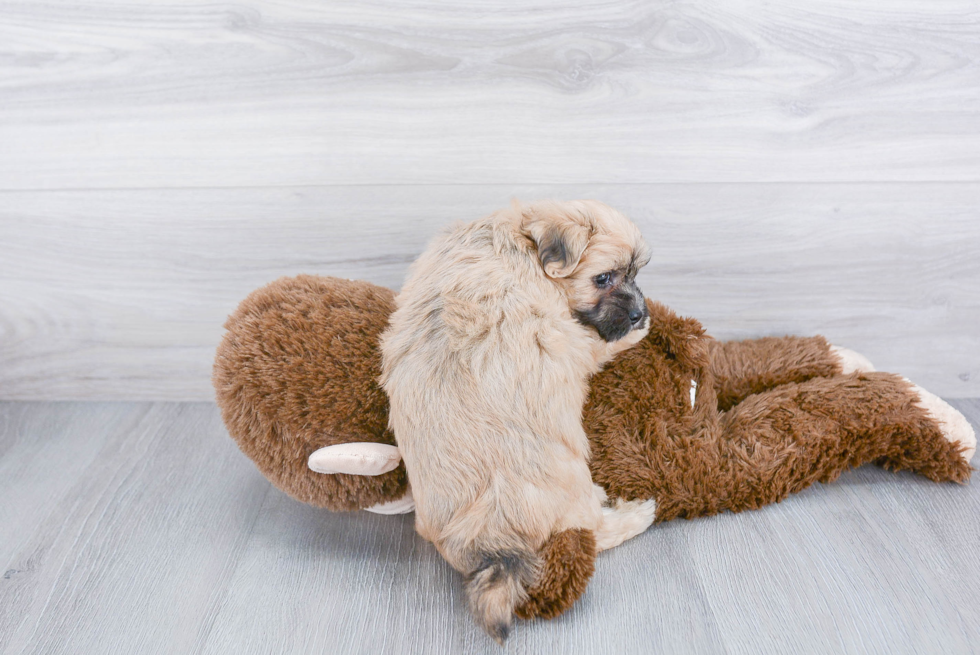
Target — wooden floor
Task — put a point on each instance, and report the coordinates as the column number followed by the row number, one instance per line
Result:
column 140, row 528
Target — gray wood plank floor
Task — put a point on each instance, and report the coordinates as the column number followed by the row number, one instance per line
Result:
column 139, row 528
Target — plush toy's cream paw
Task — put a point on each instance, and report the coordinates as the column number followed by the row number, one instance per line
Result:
column 359, row 458
column 954, row 425
column 363, row 458
column 852, row 362
column 403, row 505
column 623, row 520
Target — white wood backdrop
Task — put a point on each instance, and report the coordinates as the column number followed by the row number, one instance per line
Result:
column 799, row 167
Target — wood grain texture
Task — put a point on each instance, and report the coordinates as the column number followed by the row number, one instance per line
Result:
column 108, row 94
column 127, row 522
column 136, row 527
column 121, row 294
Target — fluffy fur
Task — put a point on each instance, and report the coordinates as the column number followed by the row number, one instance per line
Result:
column 297, row 370
column 497, row 330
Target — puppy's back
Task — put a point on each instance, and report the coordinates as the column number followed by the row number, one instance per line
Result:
column 486, row 372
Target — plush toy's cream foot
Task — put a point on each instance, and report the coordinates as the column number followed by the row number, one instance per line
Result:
column 622, row 520
column 403, row 505
column 363, row 458
column 954, row 425
column 852, row 362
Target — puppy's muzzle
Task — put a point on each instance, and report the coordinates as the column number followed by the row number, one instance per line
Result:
column 638, row 312
column 618, row 313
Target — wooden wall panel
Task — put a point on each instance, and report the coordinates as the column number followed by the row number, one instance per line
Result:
column 122, row 293
column 112, row 94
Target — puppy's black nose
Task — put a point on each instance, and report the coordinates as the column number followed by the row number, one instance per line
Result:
column 636, row 316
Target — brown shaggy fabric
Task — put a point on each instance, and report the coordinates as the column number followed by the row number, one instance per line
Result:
column 742, row 368
column 647, row 440
column 297, row 371
column 568, row 562
column 299, row 365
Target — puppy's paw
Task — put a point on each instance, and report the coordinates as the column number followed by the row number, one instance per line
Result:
column 852, row 362
column 623, row 520
column 600, row 494
column 953, row 424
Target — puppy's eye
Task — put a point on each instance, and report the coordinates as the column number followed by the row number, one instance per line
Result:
column 603, row 279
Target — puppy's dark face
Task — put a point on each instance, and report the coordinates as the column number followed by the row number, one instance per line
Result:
column 619, row 307
column 594, row 253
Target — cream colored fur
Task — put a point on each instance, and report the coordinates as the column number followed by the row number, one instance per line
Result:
column 623, row 520
column 487, row 372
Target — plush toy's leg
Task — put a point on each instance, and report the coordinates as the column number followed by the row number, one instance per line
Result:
column 953, row 424
column 742, row 368
column 568, row 556
column 781, row 441
column 568, row 561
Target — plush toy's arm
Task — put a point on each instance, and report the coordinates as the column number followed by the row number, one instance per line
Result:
column 363, row 458
column 742, row 368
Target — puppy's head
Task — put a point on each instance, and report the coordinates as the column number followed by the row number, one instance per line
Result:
column 594, row 253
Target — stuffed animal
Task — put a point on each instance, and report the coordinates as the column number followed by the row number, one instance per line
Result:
column 698, row 425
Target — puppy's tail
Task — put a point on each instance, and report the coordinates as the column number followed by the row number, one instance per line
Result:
column 497, row 585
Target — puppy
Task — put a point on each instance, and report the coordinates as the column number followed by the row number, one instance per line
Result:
column 486, row 361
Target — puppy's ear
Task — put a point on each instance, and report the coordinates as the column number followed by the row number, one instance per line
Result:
column 560, row 238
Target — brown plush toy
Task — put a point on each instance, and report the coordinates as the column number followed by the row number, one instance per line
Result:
column 699, row 426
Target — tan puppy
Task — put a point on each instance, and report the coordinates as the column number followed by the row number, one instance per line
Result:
column 486, row 362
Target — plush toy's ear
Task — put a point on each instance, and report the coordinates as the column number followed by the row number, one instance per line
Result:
column 363, row 458
column 560, row 237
